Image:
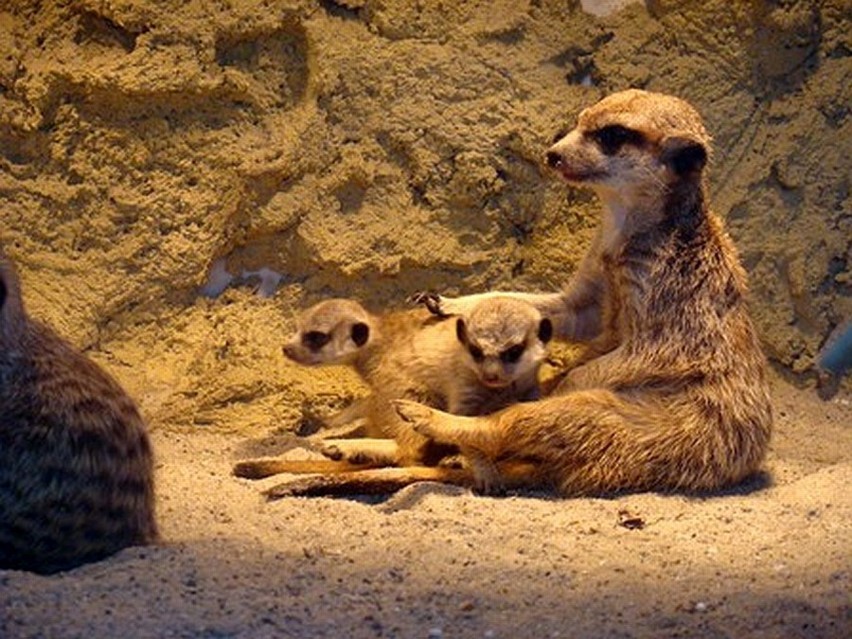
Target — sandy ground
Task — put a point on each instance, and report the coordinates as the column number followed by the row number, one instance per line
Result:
column 771, row 559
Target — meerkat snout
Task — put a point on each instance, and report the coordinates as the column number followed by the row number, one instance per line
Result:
column 553, row 159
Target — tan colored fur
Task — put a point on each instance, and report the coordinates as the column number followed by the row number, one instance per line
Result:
column 76, row 470
column 679, row 399
column 413, row 355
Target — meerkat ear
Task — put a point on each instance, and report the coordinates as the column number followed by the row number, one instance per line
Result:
column 684, row 155
column 360, row 333
column 461, row 331
column 545, row 330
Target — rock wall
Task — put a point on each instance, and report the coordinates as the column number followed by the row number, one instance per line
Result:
column 164, row 164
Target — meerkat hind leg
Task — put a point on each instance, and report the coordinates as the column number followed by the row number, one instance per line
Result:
column 486, row 475
column 372, row 451
column 379, row 481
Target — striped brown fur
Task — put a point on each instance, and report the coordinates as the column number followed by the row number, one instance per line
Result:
column 76, row 470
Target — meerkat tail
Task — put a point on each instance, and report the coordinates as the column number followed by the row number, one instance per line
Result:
column 376, row 481
column 260, row 468
column 380, row 481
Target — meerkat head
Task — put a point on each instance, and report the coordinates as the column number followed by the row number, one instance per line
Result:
column 331, row 332
column 504, row 339
column 633, row 146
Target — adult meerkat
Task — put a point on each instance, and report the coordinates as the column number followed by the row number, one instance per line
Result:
column 471, row 365
column 679, row 400
column 76, row 472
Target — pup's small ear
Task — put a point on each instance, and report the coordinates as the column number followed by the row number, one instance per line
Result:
column 461, row 331
column 685, row 156
column 360, row 333
column 545, row 330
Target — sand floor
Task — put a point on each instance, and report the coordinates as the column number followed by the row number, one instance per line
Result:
column 771, row 559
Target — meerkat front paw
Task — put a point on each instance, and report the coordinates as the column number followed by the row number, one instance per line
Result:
column 339, row 452
column 332, row 451
column 363, row 451
column 431, row 300
column 356, row 457
column 487, row 479
column 416, row 415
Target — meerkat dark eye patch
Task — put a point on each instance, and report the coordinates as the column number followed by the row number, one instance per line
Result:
column 360, row 333
column 3, row 293
column 513, row 353
column 612, row 138
column 475, row 352
column 315, row 340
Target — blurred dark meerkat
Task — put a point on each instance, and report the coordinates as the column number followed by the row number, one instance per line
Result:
column 76, row 470
column 471, row 365
column 679, row 398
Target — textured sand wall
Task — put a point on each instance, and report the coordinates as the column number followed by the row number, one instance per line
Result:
column 373, row 148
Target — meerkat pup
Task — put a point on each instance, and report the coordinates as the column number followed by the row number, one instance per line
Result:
column 470, row 365
column 76, row 472
column 679, row 398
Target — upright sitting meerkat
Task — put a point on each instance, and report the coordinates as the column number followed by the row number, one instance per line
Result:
column 76, row 472
column 475, row 364
column 679, row 400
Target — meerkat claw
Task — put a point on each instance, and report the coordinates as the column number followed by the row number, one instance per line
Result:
column 430, row 300
column 332, row 451
column 418, row 297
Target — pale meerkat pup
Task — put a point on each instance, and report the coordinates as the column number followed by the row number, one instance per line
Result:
column 76, row 471
column 471, row 365
column 679, row 400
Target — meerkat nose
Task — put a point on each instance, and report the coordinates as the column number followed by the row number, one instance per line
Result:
column 554, row 159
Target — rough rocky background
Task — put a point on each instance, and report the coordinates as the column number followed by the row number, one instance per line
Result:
column 177, row 179
column 372, row 148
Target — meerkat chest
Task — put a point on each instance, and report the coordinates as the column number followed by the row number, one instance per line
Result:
column 612, row 229
column 626, row 302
